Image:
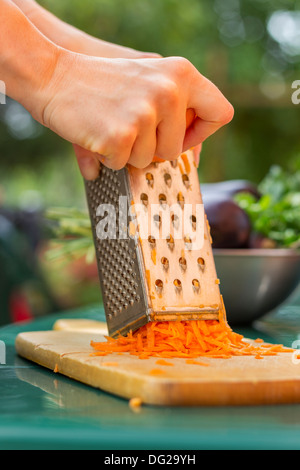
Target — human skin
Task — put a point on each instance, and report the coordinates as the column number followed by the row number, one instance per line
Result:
column 116, row 108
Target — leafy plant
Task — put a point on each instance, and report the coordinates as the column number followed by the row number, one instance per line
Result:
column 71, row 234
column 276, row 214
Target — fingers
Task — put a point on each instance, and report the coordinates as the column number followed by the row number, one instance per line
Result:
column 212, row 109
column 197, row 152
column 149, row 55
column 115, row 150
column 170, row 137
column 143, row 150
column 199, row 131
column 88, row 162
column 165, row 108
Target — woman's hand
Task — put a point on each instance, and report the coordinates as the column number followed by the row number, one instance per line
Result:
column 120, row 111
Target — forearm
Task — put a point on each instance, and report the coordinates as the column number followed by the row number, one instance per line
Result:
column 69, row 37
column 27, row 58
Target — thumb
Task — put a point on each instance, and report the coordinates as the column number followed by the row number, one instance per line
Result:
column 88, row 162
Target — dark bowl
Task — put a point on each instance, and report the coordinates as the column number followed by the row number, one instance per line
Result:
column 254, row 282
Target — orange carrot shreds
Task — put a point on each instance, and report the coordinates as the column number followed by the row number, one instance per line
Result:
column 162, row 362
column 279, row 348
column 139, row 343
column 186, row 163
column 135, row 403
column 186, row 339
column 99, row 353
column 192, row 361
column 202, row 325
column 156, row 372
column 55, row 368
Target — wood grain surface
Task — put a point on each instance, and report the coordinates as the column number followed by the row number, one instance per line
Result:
column 221, row 382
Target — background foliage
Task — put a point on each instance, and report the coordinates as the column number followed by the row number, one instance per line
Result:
column 249, row 48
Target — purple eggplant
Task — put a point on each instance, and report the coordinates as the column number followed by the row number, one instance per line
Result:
column 230, row 188
column 229, row 225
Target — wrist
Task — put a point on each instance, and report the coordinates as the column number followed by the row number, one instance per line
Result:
column 27, row 59
column 73, row 39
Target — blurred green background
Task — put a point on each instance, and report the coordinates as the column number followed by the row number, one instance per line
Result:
column 249, row 48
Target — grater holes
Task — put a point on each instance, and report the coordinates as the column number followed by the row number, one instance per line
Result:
column 150, row 179
column 157, row 219
column 170, row 242
column 168, row 179
column 188, row 242
column 117, row 257
column 182, row 263
column 178, row 285
column 186, row 180
column 196, row 285
column 175, row 220
column 173, row 163
column 201, row 263
column 180, row 199
column 159, row 285
column 162, row 199
column 165, row 263
column 144, row 199
column 152, row 241
column 193, row 220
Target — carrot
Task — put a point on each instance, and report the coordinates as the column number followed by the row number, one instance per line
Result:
column 162, row 362
column 186, row 163
column 156, row 372
column 135, row 403
column 186, row 339
column 192, row 361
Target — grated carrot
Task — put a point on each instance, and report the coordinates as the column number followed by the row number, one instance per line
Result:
column 192, row 361
column 162, row 362
column 135, row 403
column 186, row 163
column 186, row 339
column 156, row 372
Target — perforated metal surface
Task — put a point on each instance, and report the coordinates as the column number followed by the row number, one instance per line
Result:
column 177, row 255
column 117, row 255
column 152, row 277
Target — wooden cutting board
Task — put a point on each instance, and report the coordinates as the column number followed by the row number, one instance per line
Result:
column 234, row 381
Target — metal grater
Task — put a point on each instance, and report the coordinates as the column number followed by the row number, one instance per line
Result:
column 161, row 273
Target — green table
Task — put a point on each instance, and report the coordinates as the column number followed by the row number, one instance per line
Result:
column 43, row 410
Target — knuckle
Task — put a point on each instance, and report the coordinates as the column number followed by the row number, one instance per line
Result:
column 169, row 152
column 143, row 162
column 227, row 113
column 115, row 161
column 116, row 164
column 124, row 138
column 147, row 115
column 182, row 66
column 169, row 93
